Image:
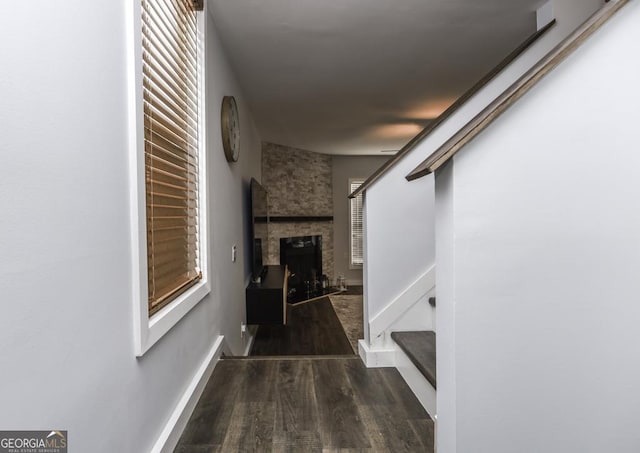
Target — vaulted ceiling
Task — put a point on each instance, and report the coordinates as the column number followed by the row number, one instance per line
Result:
column 362, row 76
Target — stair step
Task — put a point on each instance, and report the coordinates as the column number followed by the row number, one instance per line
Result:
column 420, row 347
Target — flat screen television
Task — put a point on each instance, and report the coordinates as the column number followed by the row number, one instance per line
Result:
column 259, row 228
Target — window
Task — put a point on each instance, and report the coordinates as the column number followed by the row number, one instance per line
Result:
column 355, row 222
column 167, row 167
column 170, row 94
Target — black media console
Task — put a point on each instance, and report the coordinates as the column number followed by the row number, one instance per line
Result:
column 267, row 300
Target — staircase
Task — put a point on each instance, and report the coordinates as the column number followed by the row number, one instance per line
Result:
column 493, row 256
column 420, row 348
column 403, row 279
column 415, row 359
column 416, row 362
column 399, row 331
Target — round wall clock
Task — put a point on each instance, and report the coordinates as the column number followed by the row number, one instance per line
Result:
column 230, row 123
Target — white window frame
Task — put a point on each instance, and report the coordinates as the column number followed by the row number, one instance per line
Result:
column 149, row 329
column 353, row 265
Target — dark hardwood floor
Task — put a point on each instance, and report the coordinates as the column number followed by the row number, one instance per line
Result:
column 312, row 329
column 306, row 405
column 303, row 390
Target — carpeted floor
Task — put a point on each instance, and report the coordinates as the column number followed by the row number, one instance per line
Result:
column 349, row 311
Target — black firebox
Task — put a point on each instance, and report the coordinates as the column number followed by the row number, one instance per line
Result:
column 303, row 257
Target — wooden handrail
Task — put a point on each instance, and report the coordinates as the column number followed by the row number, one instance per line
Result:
column 452, row 109
column 517, row 90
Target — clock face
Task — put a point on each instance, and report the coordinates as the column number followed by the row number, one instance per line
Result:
column 230, row 128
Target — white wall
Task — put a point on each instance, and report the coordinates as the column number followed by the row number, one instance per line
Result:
column 400, row 215
column 400, row 234
column 345, row 168
column 546, row 256
column 66, row 329
column 445, row 309
column 229, row 195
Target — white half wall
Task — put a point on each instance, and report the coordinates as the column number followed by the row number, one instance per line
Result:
column 545, row 247
column 400, row 243
column 66, row 329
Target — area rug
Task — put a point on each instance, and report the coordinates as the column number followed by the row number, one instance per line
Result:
column 349, row 311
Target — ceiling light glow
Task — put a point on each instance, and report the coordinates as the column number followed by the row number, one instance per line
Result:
column 430, row 110
column 396, row 131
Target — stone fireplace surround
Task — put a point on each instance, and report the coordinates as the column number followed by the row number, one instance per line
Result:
column 279, row 230
column 300, row 190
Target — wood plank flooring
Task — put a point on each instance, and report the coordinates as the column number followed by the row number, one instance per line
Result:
column 306, row 405
column 312, row 329
column 303, row 390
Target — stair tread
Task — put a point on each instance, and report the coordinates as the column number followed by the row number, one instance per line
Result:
column 420, row 347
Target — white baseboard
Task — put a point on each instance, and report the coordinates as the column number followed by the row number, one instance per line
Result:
column 419, row 385
column 172, row 430
column 251, row 331
column 376, row 358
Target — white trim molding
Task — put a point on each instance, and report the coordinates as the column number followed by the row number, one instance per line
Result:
column 376, row 358
column 148, row 330
column 251, row 331
column 352, row 182
column 174, row 427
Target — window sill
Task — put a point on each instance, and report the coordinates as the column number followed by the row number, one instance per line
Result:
column 153, row 329
column 149, row 330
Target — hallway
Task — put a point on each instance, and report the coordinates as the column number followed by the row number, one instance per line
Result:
column 313, row 329
column 303, row 389
column 306, row 404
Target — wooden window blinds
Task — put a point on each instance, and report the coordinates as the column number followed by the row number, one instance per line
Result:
column 170, row 94
column 355, row 221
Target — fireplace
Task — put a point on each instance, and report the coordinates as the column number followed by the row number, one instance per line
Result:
column 303, row 257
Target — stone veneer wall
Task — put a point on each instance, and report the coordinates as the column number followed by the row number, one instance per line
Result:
column 299, row 183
